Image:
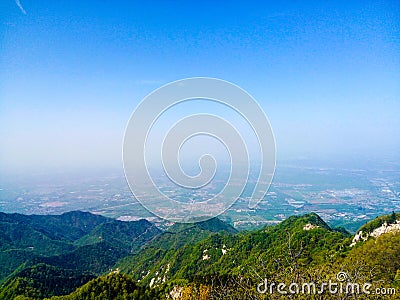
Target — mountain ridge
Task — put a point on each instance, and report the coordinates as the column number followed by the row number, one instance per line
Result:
column 185, row 257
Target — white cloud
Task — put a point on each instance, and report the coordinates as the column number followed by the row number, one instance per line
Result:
column 20, row 6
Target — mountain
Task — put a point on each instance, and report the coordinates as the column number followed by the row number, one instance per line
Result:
column 82, row 243
column 220, row 251
column 99, row 250
column 179, row 234
column 154, row 256
column 67, row 227
column 112, row 286
column 40, row 281
column 25, row 237
column 129, row 234
column 207, row 260
column 385, row 220
column 377, row 227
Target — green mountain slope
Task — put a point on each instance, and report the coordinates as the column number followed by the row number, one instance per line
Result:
column 129, row 235
column 66, row 227
column 27, row 237
column 379, row 221
column 99, row 250
column 73, row 242
column 173, row 255
column 112, row 286
column 42, row 281
column 179, row 235
column 155, row 256
column 208, row 260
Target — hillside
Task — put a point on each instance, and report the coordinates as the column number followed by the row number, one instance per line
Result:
column 179, row 235
column 82, row 243
column 27, row 237
column 112, row 286
column 40, row 281
column 154, row 256
column 67, row 227
column 220, row 252
column 205, row 260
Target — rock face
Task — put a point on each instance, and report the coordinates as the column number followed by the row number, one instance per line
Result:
column 384, row 228
column 359, row 236
column 176, row 293
column 310, row 226
column 206, row 257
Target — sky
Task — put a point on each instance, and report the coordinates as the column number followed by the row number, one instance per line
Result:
column 326, row 73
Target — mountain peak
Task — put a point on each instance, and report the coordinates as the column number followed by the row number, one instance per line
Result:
column 304, row 222
column 375, row 228
column 212, row 225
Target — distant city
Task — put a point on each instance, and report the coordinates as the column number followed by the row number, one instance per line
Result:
column 343, row 196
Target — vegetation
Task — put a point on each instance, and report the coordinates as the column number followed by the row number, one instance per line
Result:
column 82, row 243
column 42, row 281
column 379, row 221
column 207, row 260
column 113, row 286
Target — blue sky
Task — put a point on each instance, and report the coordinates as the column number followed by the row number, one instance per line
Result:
column 326, row 73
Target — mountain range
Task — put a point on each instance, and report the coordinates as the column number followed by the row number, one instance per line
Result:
column 78, row 255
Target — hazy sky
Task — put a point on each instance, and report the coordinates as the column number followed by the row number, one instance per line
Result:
column 327, row 73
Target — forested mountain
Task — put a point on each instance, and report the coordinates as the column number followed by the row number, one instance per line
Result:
column 67, row 227
column 113, row 286
column 207, row 260
column 40, row 281
column 164, row 250
column 78, row 243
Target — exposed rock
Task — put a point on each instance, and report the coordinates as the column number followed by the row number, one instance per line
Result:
column 206, row 257
column 224, row 250
column 384, row 228
column 309, row 226
column 152, row 282
column 176, row 292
